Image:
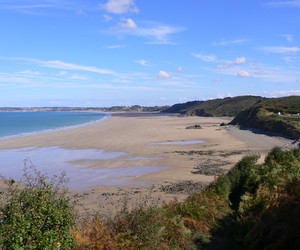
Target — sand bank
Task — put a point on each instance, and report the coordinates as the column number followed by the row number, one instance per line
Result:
column 152, row 140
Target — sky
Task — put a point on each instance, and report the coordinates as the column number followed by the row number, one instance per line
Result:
column 101, row 53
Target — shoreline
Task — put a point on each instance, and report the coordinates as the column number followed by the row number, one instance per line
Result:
column 56, row 129
column 133, row 134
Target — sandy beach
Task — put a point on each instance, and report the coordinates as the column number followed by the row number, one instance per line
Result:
column 178, row 158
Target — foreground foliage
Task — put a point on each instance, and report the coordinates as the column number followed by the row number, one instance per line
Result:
column 36, row 214
column 269, row 207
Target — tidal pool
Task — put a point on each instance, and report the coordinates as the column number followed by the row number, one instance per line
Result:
column 55, row 160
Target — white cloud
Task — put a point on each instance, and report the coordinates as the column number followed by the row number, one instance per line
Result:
column 107, row 18
column 57, row 64
column 115, row 46
column 121, row 80
column 179, row 69
column 217, row 80
column 129, row 24
column 240, row 60
column 205, row 58
column 244, row 74
column 79, row 77
column 160, row 34
column 280, row 49
column 229, row 42
column 30, row 72
column 288, row 37
column 163, row 75
column 143, row 62
column 226, row 65
column 62, row 73
column 156, row 33
column 285, row 93
column 41, row 7
column 120, row 6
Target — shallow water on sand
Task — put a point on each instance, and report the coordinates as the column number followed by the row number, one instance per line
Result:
column 55, row 160
column 177, row 142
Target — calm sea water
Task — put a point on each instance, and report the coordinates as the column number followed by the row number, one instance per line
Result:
column 19, row 123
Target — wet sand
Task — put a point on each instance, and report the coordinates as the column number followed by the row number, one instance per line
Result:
column 177, row 155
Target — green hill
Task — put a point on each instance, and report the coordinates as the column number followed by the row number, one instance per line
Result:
column 229, row 106
column 276, row 115
column 182, row 108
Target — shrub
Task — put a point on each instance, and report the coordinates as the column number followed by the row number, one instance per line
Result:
column 222, row 186
column 269, row 215
column 36, row 213
column 243, row 178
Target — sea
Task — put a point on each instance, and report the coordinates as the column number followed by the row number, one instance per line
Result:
column 24, row 123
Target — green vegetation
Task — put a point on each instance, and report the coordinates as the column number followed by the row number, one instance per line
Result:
column 216, row 107
column 268, row 206
column 275, row 115
column 258, row 205
column 280, row 115
column 36, row 214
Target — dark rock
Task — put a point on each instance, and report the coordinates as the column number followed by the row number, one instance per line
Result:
column 184, row 187
column 197, row 126
column 209, row 170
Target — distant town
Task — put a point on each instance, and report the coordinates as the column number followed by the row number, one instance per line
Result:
column 134, row 108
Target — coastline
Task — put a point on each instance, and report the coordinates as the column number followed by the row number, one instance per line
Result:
column 133, row 134
column 56, row 128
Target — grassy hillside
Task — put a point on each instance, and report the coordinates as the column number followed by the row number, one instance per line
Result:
column 182, row 108
column 217, row 107
column 276, row 115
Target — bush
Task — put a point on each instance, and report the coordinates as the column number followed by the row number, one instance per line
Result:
column 222, row 186
column 243, row 178
column 36, row 213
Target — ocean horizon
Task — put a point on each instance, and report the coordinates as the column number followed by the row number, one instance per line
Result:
column 14, row 124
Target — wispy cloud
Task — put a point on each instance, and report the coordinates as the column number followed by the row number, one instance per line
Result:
column 128, row 24
column 205, row 57
column 79, row 77
column 114, row 46
column 179, row 69
column 38, row 6
column 288, row 37
column 163, row 75
column 293, row 3
column 30, row 72
column 156, row 33
column 280, row 49
column 233, row 63
column 106, row 18
column 143, row 62
column 120, row 6
column 57, row 64
column 244, row 74
column 240, row 60
column 285, row 93
column 229, row 42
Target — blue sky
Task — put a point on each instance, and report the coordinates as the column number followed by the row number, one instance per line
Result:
column 126, row 52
